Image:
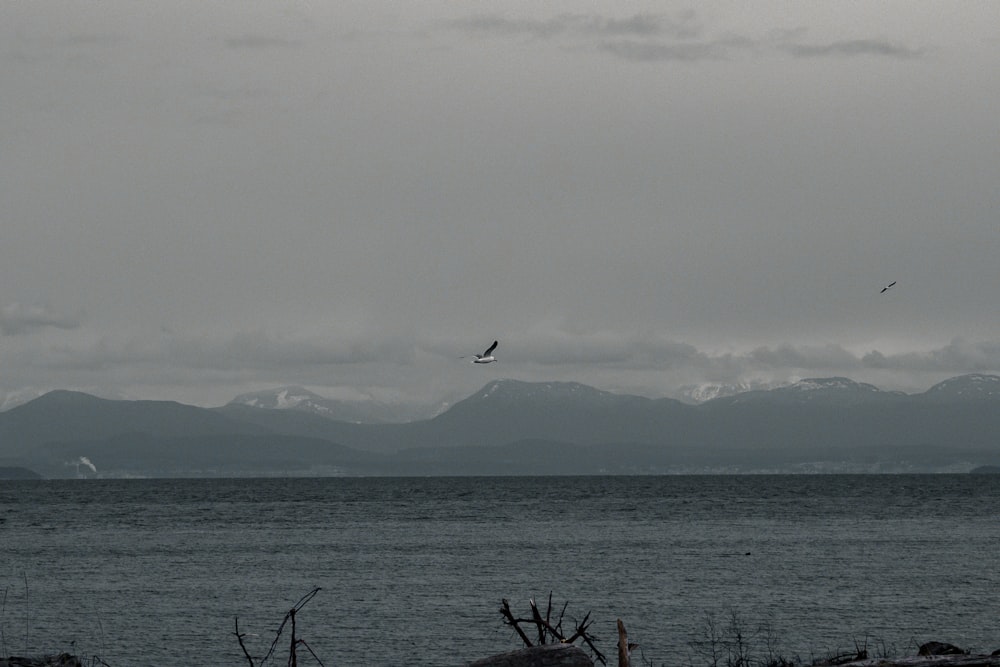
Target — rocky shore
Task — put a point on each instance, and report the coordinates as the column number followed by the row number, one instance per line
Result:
column 932, row 654
column 966, row 660
column 61, row 660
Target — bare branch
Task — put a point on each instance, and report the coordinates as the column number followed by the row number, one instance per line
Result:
column 290, row 615
column 309, row 648
column 239, row 638
column 513, row 622
column 536, row 618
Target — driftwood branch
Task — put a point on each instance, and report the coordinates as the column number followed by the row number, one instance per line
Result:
column 513, row 622
column 581, row 629
column 294, row 641
column 302, row 642
column 239, row 638
column 546, row 632
column 624, row 649
column 589, row 641
column 541, row 624
column 290, row 616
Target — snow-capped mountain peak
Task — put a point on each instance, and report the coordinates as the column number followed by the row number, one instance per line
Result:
column 302, row 400
column 977, row 386
column 706, row 392
column 831, row 384
column 282, row 398
column 506, row 390
column 828, row 391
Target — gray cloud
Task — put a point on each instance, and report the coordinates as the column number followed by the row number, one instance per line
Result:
column 107, row 39
column 357, row 195
column 851, row 47
column 647, row 25
column 551, row 349
column 244, row 351
column 653, row 51
column 959, row 356
column 803, row 357
column 17, row 318
column 783, row 360
column 73, row 51
column 655, row 37
column 212, row 369
column 639, row 25
column 260, row 42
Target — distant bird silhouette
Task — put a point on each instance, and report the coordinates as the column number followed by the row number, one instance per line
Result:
column 487, row 356
column 887, row 287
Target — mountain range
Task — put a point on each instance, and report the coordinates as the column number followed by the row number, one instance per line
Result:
column 514, row 427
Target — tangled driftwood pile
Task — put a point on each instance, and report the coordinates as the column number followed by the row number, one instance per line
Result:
column 547, row 646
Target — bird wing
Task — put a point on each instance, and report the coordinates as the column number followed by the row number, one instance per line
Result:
column 490, row 348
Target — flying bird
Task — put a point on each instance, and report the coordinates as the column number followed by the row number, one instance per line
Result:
column 886, row 288
column 487, row 356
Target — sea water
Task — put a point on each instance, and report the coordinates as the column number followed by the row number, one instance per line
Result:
column 412, row 571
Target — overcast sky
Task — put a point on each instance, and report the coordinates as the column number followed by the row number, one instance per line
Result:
column 199, row 199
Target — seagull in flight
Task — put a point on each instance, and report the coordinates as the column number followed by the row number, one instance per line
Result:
column 886, row 288
column 487, row 356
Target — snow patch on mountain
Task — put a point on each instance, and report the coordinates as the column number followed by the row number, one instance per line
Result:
column 831, row 384
column 701, row 393
column 507, row 389
column 303, row 400
column 282, row 398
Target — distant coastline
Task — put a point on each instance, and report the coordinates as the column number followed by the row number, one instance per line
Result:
column 17, row 472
